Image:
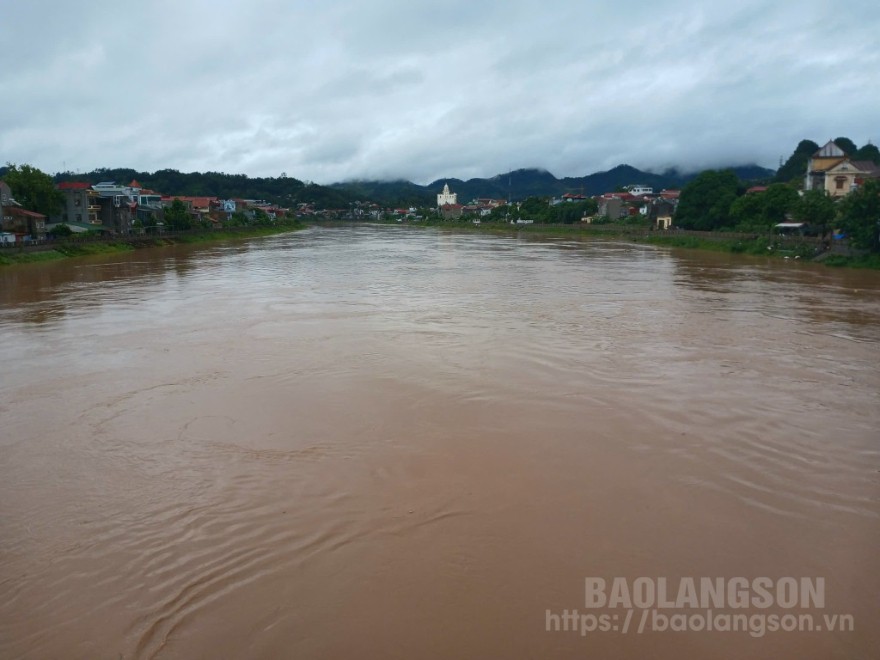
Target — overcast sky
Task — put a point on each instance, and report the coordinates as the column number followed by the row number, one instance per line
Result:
column 340, row 89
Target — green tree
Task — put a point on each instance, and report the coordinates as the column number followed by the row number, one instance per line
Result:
column 261, row 218
column 60, row 231
column 849, row 147
column 572, row 212
column 815, row 208
column 177, row 218
column 33, row 189
column 779, row 199
column 706, row 201
column 796, row 165
column 535, row 208
column 868, row 152
column 747, row 212
column 501, row 213
column 860, row 216
column 238, row 219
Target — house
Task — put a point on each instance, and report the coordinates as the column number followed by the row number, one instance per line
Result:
column 844, row 177
column 610, row 206
column 447, row 197
column 81, row 204
column 117, row 214
column 16, row 223
column 832, row 170
column 199, row 208
column 451, row 211
column 195, row 204
column 118, row 205
column 24, row 224
column 5, row 195
column 663, row 221
column 491, row 203
column 661, row 213
column 639, row 189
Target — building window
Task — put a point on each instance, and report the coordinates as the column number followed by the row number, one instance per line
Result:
column 79, row 217
column 839, row 181
column 77, row 201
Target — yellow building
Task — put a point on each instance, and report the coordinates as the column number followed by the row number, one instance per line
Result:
column 831, row 170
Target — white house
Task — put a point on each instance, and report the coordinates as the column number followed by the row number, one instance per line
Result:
column 639, row 190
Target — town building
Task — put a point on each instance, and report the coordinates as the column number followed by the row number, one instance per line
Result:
column 451, row 211
column 80, row 204
column 5, row 194
column 25, row 225
column 639, row 189
column 447, row 197
column 832, row 170
column 17, row 224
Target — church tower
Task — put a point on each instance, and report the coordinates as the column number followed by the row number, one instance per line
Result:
column 446, row 197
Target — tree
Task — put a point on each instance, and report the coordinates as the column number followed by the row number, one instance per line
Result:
column 849, row 147
column 796, row 165
column 501, row 213
column 747, row 212
column 868, row 152
column 705, row 202
column 60, row 231
column 779, row 199
column 571, row 212
column 860, row 216
column 177, row 218
column 535, row 208
column 816, row 208
column 33, row 189
column 238, row 219
column 261, row 218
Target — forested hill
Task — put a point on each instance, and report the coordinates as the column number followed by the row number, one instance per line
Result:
column 520, row 184
column 282, row 190
column 287, row 191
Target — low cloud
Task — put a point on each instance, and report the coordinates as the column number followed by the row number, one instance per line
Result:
column 420, row 90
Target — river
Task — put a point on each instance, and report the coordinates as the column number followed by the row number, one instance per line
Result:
column 384, row 442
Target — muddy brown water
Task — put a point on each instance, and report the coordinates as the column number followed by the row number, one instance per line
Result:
column 388, row 443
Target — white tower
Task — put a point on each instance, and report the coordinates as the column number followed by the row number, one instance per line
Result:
column 446, row 197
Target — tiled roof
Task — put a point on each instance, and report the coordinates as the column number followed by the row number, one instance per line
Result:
column 17, row 211
column 822, row 164
column 867, row 166
column 197, row 202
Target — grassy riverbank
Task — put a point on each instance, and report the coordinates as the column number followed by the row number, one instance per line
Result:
column 73, row 248
column 791, row 247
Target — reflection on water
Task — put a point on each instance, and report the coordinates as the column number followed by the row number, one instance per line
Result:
column 384, row 442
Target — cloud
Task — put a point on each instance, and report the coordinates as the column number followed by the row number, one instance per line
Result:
column 424, row 90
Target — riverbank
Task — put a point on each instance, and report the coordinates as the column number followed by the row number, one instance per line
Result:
column 786, row 247
column 65, row 249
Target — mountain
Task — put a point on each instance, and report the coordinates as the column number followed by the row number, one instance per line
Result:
column 529, row 182
column 394, row 194
column 516, row 185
